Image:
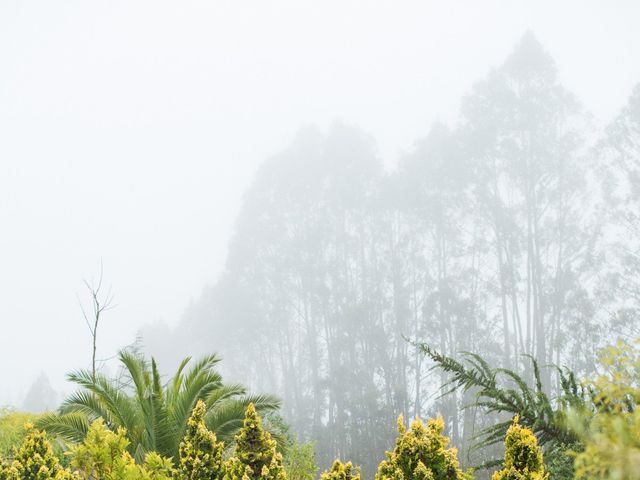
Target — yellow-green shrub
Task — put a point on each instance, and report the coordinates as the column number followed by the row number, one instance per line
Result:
column 12, row 429
column 523, row 457
column 200, row 453
column 103, row 456
column 421, row 453
column 255, row 454
column 341, row 471
column 611, row 433
column 35, row 460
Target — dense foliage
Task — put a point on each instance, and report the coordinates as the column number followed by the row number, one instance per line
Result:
column 300, row 461
column 154, row 415
column 200, row 453
column 12, row 428
column 35, row 460
column 421, row 453
column 341, row 471
column 611, row 431
column 103, row 455
column 523, row 457
column 500, row 391
column 255, row 456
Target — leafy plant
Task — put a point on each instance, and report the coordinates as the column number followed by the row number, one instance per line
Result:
column 200, row 454
column 255, row 455
column 504, row 391
column 300, row 461
column 154, row 415
column 35, row 460
column 611, row 433
column 103, row 455
column 523, row 457
column 341, row 471
column 421, row 453
column 13, row 429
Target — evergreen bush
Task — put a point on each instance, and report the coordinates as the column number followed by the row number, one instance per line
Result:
column 255, row 456
column 421, row 453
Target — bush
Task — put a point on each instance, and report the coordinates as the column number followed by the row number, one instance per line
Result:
column 421, row 453
column 35, row 460
column 300, row 461
column 255, row 454
column 523, row 457
column 12, row 429
column 103, row 456
column 199, row 452
column 341, row 471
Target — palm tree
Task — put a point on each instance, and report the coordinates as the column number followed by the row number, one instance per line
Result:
column 154, row 414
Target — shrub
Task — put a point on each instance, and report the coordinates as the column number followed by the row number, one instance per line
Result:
column 341, row 471
column 611, row 431
column 255, row 454
column 421, row 453
column 12, row 429
column 523, row 457
column 200, row 453
column 35, row 460
column 300, row 461
column 103, row 456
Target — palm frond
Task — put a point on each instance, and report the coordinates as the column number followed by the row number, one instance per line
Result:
column 72, row 427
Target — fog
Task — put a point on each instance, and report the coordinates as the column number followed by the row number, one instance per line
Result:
column 130, row 131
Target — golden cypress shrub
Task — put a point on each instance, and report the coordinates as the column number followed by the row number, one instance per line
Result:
column 200, row 453
column 421, row 453
column 35, row 460
column 523, row 457
column 255, row 456
column 341, row 471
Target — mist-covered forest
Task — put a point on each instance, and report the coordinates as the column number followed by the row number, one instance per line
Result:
column 470, row 311
column 513, row 232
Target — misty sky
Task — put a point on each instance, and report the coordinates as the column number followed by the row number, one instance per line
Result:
column 129, row 131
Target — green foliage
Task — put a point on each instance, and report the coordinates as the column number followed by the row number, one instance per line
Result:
column 103, row 456
column 523, row 457
column 300, row 461
column 153, row 415
column 35, row 460
column 421, row 453
column 341, row 471
column 611, row 432
column 504, row 391
column 200, row 453
column 12, row 429
column 255, row 455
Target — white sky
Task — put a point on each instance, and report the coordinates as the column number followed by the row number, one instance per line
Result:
column 130, row 129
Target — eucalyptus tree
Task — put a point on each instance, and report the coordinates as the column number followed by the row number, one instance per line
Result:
column 523, row 134
column 619, row 177
column 154, row 413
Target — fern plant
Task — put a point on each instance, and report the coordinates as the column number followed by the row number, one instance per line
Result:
column 504, row 391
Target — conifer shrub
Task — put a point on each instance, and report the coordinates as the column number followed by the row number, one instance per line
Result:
column 35, row 460
column 200, row 454
column 255, row 454
column 341, row 471
column 523, row 456
column 421, row 453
